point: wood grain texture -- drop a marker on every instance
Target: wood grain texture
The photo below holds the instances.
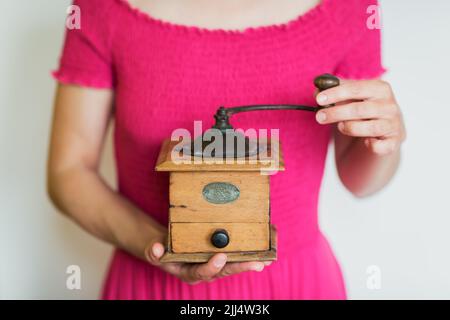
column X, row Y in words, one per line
column 267, row 255
column 270, row 161
column 187, row 203
column 196, row 237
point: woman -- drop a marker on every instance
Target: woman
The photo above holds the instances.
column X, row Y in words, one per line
column 157, row 65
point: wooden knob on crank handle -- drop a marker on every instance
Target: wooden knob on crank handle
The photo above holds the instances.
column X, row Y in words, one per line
column 324, row 82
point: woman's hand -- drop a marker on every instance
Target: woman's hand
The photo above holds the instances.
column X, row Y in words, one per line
column 193, row 273
column 365, row 109
column 370, row 132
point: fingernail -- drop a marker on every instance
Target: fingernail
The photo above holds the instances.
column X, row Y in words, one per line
column 259, row 267
column 321, row 117
column 220, row 262
column 157, row 251
column 321, row 98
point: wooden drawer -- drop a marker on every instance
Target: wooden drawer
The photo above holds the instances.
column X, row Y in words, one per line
column 189, row 204
column 196, row 237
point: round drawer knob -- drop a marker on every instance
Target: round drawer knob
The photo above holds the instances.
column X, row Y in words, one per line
column 220, row 238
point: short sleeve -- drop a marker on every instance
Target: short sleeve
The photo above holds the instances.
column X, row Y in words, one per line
column 86, row 57
column 363, row 56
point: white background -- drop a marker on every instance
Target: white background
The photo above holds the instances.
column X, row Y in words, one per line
column 403, row 230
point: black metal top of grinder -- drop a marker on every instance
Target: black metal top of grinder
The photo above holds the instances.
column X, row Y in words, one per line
column 248, row 148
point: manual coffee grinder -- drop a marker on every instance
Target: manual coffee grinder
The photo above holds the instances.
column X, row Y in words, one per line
column 224, row 206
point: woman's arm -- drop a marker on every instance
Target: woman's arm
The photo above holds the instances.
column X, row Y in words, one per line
column 370, row 131
column 81, row 117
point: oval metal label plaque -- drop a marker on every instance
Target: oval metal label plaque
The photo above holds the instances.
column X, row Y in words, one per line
column 220, row 192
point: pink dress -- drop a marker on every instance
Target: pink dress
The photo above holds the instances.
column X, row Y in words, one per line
column 165, row 76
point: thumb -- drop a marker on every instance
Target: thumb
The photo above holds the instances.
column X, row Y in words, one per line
column 154, row 252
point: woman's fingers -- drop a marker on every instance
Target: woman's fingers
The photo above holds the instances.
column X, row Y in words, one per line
column 382, row 146
column 364, row 109
column 367, row 128
column 238, row 267
column 355, row 90
column 356, row 111
column 216, row 267
column 193, row 273
column 154, row 252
